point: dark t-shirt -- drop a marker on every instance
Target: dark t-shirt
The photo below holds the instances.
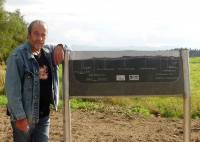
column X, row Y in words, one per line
column 45, row 84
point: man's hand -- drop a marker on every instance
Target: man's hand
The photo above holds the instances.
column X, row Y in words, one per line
column 22, row 125
column 58, row 54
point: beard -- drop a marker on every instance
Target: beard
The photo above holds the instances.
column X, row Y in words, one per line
column 38, row 46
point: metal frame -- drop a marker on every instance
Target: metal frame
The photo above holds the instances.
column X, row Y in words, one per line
column 186, row 98
column 66, row 102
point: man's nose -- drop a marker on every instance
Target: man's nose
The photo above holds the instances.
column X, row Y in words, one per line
column 40, row 37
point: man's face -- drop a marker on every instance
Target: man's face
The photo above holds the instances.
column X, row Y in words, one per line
column 37, row 36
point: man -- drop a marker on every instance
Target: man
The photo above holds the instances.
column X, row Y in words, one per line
column 32, row 85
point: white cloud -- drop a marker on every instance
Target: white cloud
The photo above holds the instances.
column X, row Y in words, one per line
column 117, row 23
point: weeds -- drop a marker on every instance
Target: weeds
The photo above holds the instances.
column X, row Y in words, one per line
column 2, row 79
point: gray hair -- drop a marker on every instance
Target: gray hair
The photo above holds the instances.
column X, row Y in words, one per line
column 40, row 22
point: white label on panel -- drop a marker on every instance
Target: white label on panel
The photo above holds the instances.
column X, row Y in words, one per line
column 134, row 77
column 120, row 77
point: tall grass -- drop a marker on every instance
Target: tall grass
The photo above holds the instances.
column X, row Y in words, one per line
column 2, row 78
column 195, row 86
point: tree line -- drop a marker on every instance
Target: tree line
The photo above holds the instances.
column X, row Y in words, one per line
column 13, row 31
column 194, row 52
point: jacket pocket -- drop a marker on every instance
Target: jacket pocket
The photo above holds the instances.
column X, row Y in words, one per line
column 28, row 81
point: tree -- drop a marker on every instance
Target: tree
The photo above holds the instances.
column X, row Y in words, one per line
column 13, row 31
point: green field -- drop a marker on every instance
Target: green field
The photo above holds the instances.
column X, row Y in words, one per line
column 146, row 106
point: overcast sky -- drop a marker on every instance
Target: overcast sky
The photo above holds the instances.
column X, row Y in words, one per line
column 116, row 24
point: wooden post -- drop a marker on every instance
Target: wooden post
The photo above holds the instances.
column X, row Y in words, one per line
column 66, row 103
column 187, row 96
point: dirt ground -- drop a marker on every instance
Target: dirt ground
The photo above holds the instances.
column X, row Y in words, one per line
column 90, row 126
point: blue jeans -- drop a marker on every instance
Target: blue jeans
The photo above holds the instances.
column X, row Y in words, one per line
column 37, row 133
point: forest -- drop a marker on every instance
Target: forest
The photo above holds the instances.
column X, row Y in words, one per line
column 13, row 31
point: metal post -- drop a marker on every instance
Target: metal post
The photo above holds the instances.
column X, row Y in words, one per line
column 187, row 96
column 66, row 103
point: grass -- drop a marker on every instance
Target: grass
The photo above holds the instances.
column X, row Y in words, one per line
column 2, row 78
column 86, row 104
column 158, row 106
column 3, row 100
column 195, row 86
column 146, row 106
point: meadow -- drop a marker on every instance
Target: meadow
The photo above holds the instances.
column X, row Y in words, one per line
column 146, row 106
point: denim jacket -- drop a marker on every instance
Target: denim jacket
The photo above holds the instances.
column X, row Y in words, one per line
column 23, row 86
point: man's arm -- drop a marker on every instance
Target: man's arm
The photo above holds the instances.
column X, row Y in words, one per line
column 13, row 87
column 13, row 92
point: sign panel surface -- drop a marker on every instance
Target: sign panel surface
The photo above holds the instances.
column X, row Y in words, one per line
column 121, row 73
